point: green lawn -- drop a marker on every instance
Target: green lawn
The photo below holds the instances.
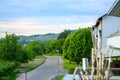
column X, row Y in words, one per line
column 68, row 65
column 31, row 64
column 60, row 77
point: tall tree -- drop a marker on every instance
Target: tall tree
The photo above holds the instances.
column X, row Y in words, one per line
column 11, row 50
column 64, row 34
column 33, row 49
column 53, row 45
column 78, row 45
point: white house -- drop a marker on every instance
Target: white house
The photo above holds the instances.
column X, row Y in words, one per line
column 104, row 27
column 107, row 25
column 114, row 39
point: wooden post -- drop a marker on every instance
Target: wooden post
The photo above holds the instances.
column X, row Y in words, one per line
column 109, row 65
column 93, row 53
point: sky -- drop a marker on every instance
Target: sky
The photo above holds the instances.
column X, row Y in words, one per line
column 28, row 17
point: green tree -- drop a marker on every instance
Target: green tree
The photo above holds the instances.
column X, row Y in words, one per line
column 78, row 45
column 33, row 49
column 66, row 47
column 53, row 45
column 64, row 34
column 11, row 50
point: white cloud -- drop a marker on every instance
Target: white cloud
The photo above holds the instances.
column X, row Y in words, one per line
column 60, row 15
column 30, row 26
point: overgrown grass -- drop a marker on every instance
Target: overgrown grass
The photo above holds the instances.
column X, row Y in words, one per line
column 70, row 66
column 31, row 64
column 60, row 77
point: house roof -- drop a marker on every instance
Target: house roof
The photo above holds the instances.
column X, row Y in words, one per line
column 115, row 9
column 98, row 20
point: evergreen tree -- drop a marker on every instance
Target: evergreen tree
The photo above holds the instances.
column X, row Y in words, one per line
column 64, row 34
column 78, row 45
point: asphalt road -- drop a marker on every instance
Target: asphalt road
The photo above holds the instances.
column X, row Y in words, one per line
column 53, row 66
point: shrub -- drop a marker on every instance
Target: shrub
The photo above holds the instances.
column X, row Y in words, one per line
column 6, row 67
column 71, row 70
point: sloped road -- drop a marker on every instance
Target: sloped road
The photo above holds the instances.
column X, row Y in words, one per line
column 53, row 66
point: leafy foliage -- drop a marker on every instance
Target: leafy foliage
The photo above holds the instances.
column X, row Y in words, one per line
column 53, row 45
column 33, row 49
column 64, row 34
column 5, row 67
column 11, row 50
column 13, row 53
column 78, row 45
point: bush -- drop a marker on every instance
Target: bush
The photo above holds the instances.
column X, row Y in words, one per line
column 71, row 70
column 6, row 67
column 78, row 45
column 60, row 77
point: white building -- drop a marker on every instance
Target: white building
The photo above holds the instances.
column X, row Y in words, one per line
column 107, row 25
column 114, row 39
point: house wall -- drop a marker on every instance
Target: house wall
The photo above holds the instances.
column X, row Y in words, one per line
column 115, row 41
column 99, row 31
column 110, row 25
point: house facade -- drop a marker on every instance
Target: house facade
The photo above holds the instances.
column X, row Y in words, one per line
column 114, row 39
column 110, row 25
column 107, row 25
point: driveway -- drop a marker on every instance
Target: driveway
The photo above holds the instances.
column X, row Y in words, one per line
column 53, row 66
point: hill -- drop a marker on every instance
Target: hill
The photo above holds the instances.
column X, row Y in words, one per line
column 38, row 37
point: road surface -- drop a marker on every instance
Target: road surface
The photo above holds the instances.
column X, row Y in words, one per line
column 53, row 66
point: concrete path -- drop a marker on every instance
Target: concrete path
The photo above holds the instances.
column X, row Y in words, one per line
column 53, row 66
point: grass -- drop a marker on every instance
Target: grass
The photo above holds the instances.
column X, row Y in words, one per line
column 60, row 77
column 71, row 66
column 31, row 64
column 68, row 65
